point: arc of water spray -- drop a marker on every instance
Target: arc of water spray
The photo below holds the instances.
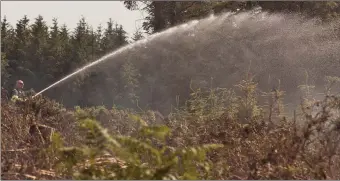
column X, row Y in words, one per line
column 140, row 42
column 137, row 43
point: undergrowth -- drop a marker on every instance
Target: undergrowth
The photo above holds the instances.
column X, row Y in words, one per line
column 217, row 134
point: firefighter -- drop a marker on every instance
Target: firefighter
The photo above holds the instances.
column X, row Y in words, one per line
column 18, row 94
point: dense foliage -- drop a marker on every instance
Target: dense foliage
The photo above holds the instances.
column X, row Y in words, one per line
column 162, row 15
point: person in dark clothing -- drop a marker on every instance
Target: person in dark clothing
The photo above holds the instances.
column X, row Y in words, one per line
column 18, row 94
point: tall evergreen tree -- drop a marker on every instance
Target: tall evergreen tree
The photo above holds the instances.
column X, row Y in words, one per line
column 4, row 33
column 121, row 36
column 79, row 42
column 37, row 53
column 21, row 41
column 6, row 41
column 98, row 40
column 55, row 50
column 17, row 55
column 40, row 37
column 54, row 33
column 108, row 42
column 62, row 55
column 65, row 44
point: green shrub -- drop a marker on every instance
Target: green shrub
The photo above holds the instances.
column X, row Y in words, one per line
column 133, row 158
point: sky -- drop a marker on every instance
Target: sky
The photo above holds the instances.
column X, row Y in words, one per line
column 69, row 12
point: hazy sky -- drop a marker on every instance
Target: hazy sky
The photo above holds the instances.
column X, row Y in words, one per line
column 95, row 12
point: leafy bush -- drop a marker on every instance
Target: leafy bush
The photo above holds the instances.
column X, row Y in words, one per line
column 131, row 158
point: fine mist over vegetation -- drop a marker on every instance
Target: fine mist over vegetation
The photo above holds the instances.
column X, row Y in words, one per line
column 220, row 51
column 242, row 94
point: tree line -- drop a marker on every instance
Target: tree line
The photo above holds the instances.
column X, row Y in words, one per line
column 39, row 54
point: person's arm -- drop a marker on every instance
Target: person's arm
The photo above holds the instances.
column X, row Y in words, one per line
column 30, row 92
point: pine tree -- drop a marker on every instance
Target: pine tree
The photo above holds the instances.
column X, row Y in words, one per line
column 63, row 33
column 65, row 44
column 121, row 36
column 79, row 42
column 55, row 50
column 93, row 43
column 108, row 42
column 82, row 53
column 54, row 30
column 18, row 51
column 37, row 53
column 62, row 55
column 4, row 33
column 21, row 42
column 138, row 35
column 7, row 37
column 39, row 40
column 99, row 37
